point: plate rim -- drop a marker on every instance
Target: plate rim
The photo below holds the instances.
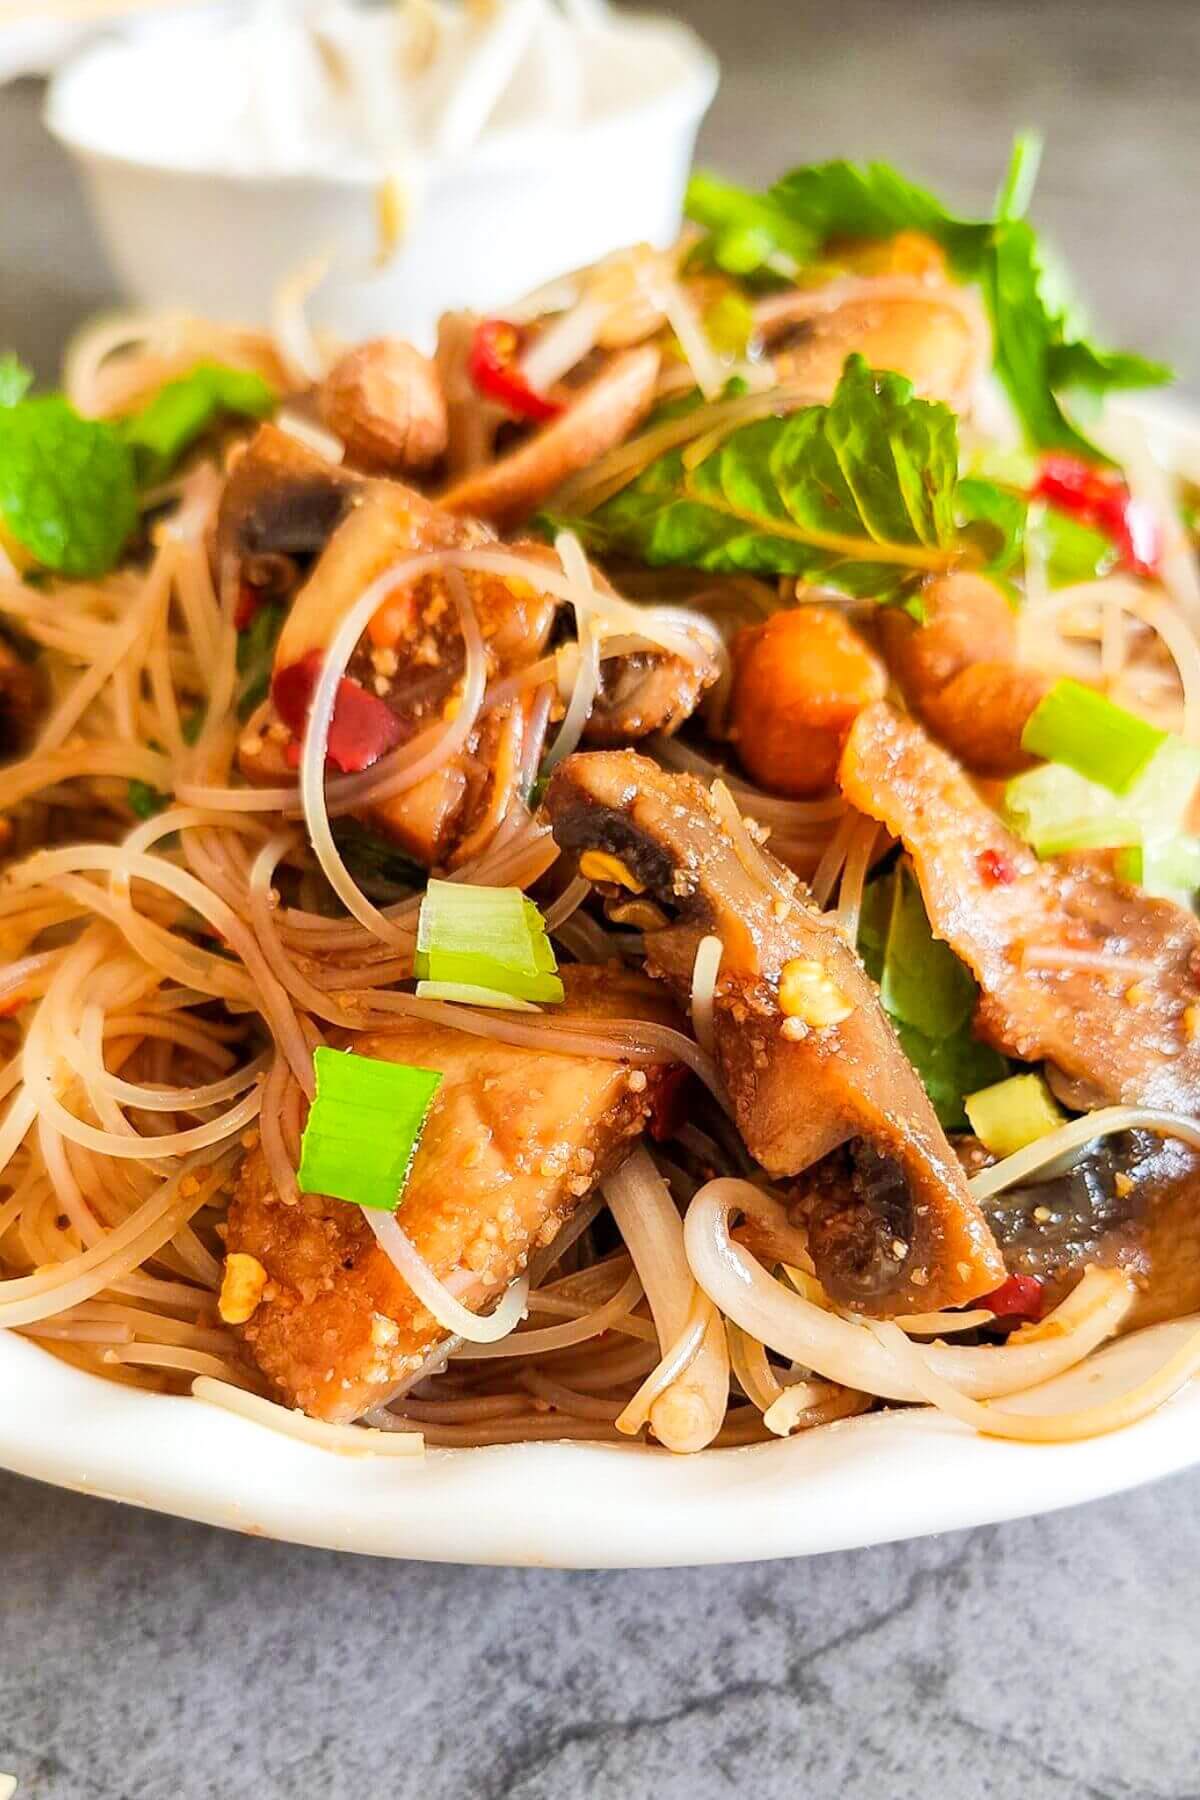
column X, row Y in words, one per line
column 858, row 1482
column 577, row 1505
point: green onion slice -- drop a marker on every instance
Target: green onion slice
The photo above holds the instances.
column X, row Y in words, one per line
column 1010, row 1114
column 484, row 937
column 364, row 1127
column 1104, row 743
column 1055, row 809
column 466, row 993
column 1168, row 869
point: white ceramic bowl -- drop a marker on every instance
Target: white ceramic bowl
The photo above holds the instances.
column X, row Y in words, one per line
column 487, row 226
column 865, row 1481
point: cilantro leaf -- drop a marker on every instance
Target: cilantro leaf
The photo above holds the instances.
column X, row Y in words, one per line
column 15, row 379
column 858, row 495
column 928, row 995
column 182, row 411
column 67, row 487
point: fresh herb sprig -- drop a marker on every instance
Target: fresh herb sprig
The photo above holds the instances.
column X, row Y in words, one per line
column 1044, row 354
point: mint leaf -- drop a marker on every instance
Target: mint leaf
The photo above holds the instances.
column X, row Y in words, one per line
column 843, row 199
column 993, row 517
column 184, row 410
column 749, row 234
column 1042, row 347
column 1080, row 365
column 858, row 495
column 928, row 995
column 15, row 379
column 67, row 488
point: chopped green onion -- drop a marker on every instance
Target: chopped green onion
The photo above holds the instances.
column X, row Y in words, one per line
column 1010, row 1114
column 485, row 937
column 466, row 993
column 1169, row 869
column 363, row 1128
column 1055, row 809
column 1104, row 743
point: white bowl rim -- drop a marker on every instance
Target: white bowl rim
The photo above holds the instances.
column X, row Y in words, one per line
column 517, row 148
column 875, row 1479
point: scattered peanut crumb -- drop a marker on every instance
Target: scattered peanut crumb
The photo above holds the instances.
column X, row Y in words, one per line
column 241, row 1288
column 807, row 992
column 637, row 1081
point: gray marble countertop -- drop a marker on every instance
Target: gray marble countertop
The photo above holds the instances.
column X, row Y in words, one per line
column 146, row 1659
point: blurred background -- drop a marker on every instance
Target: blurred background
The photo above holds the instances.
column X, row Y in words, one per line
column 936, row 86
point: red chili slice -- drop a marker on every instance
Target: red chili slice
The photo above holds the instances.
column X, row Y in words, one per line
column 362, row 729
column 1099, row 497
column 997, row 868
column 492, row 366
column 1020, row 1297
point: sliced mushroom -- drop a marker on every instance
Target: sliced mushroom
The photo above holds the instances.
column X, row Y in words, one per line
column 409, row 665
column 930, row 337
column 807, row 1056
column 282, row 497
column 1100, row 980
column 600, row 416
column 384, row 400
column 649, row 691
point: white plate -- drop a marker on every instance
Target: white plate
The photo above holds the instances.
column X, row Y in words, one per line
column 865, row 1481
column 892, row 1475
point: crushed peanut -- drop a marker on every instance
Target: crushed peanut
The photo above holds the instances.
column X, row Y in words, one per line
column 1191, row 1022
column 241, row 1287
column 808, row 993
